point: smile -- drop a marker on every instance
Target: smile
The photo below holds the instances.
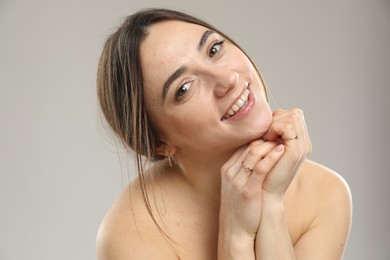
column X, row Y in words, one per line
column 241, row 102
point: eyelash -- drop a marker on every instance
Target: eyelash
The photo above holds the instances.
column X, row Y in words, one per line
column 178, row 96
column 219, row 43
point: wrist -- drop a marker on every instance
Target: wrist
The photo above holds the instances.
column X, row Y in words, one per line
column 273, row 206
column 232, row 247
column 273, row 197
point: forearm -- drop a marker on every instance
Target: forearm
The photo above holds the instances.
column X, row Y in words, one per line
column 273, row 239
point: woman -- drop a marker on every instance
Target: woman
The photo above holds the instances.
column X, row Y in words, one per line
column 229, row 178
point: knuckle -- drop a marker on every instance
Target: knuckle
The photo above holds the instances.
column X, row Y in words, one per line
column 224, row 168
column 278, row 111
column 252, row 151
column 261, row 168
column 296, row 117
column 246, row 194
column 289, row 126
column 296, row 111
column 228, row 174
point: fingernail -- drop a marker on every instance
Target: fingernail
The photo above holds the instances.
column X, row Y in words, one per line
column 279, row 148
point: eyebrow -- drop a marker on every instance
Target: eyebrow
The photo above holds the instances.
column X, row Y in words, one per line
column 171, row 79
column 204, row 38
column 180, row 71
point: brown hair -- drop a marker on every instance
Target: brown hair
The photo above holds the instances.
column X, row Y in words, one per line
column 120, row 85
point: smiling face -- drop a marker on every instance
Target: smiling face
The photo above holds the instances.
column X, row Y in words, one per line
column 201, row 91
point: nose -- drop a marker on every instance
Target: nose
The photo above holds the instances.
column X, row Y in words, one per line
column 223, row 80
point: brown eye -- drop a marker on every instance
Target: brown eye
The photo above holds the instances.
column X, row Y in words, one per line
column 183, row 89
column 215, row 48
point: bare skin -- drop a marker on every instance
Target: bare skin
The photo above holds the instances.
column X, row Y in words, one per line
column 244, row 189
column 317, row 209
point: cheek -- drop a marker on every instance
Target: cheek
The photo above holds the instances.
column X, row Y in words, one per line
column 187, row 127
column 191, row 120
column 182, row 131
column 267, row 118
column 241, row 62
column 179, row 125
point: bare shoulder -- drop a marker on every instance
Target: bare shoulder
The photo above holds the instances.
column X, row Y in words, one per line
column 128, row 232
column 311, row 172
column 325, row 199
column 322, row 182
column 324, row 191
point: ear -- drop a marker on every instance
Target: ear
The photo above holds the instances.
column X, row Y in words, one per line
column 165, row 149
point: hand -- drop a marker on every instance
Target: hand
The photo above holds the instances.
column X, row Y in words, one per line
column 242, row 177
column 287, row 127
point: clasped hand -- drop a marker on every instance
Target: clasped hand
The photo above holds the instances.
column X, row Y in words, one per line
column 262, row 170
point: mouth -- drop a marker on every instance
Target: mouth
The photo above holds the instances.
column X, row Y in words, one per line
column 238, row 105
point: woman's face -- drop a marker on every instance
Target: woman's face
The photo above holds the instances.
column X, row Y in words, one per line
column 201, row 91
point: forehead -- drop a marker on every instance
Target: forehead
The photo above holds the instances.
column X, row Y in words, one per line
column 167, row 46
column 170, row 39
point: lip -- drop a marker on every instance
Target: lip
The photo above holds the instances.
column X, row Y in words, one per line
column 246, row 109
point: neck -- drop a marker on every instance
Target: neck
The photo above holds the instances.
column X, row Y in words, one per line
column 201, row 172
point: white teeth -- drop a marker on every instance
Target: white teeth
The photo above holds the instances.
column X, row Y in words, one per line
column 238, row 105
column 240, row 102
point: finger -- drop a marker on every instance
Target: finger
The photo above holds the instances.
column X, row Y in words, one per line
column 282, row 131
column 230, row 169
column 264, row 166
column 236, row 168
column 286, row 125
column 304, row 143
column 255, row 153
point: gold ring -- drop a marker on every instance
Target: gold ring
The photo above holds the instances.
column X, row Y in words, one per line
column 246, row 168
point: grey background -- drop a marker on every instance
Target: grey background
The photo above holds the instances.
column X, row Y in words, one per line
column 59, row 170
